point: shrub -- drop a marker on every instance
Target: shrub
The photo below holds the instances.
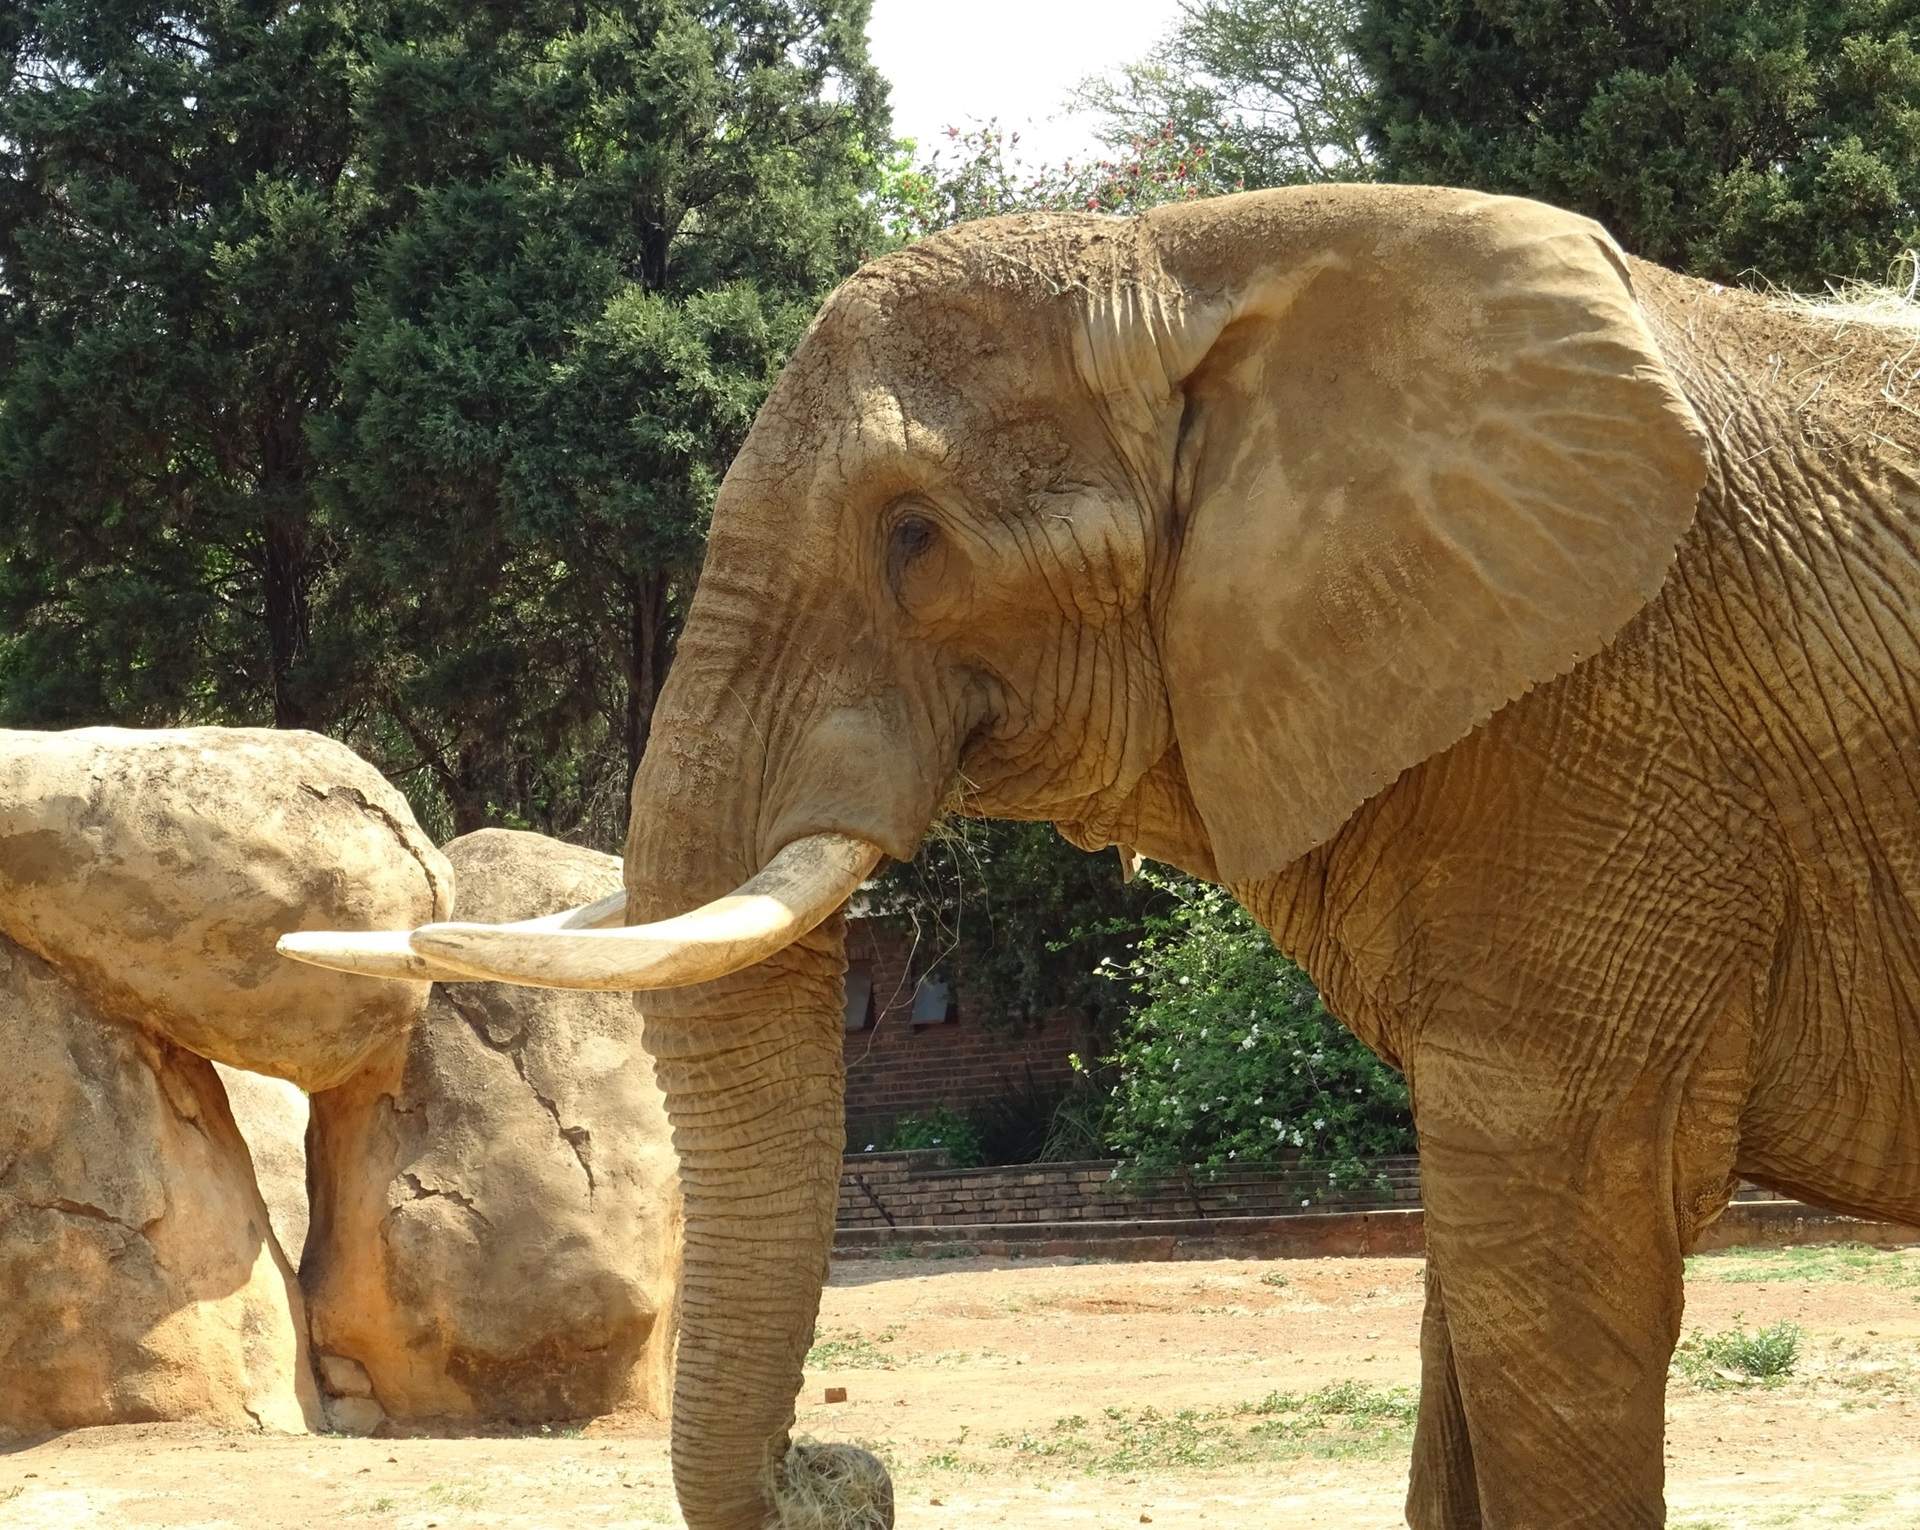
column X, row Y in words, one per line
column 1714, row 1359
column 939, row 1128
column 1230, row 1055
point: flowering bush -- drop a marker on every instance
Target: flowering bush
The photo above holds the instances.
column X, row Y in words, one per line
column 1229, row 1055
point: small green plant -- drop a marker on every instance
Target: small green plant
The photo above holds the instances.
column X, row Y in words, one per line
column 1822, row 1264
column 939, row 1128
column 1275, row 1279
column 1735, row 1357
column 851, row 1352
column 1345, row 1420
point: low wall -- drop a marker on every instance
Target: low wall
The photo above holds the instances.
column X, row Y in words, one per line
column 918, row 1189
column 1315, row 1235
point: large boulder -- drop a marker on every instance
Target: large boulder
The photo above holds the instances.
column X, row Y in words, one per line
column 139, row 1279
column 155, row 869
column 496, row 1217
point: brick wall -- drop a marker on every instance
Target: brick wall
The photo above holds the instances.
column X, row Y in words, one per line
column 917, row 1189
column 897, row 1068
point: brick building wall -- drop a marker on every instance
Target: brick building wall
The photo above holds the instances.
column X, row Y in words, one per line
column 897, row 1066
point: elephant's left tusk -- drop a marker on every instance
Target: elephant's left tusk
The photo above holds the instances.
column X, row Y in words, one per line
column 390, row 954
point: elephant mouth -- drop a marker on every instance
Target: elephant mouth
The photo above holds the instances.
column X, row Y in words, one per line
column 587, row 947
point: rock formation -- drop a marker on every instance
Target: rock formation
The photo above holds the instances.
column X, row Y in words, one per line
column 272, row 1117
column 144, row 877
column 156, row 868
column 496, row 1215
column 138, row 1277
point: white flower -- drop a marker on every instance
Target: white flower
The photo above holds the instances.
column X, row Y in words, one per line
column 1319, row 1123
column 869, row 1147
column 1247, row 1044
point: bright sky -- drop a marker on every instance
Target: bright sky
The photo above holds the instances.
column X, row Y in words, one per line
column 951, row 61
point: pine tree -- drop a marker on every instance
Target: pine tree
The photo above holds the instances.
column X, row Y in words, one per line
column 178, row 237
column 607, row 228
column 1731, row 138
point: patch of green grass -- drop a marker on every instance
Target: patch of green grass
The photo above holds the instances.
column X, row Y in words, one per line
column 1275, row 1279
column 851, row 1352
column 1348, row 1420
column 1735, row 1357
column 456, row 1495
column 1820, row 1264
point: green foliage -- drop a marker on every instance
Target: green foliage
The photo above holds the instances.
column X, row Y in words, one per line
column 1725, row 137
column 1736, row 1357
column 1232, row 1056
column 1027, row 919
column 939, row 1128
column 370, row 365
column 178, row 242
column 846, row 1350
column 607, row 230
column 1343, row 1420
column 1271, row 85
column 979, row 173
column 1820, row 1264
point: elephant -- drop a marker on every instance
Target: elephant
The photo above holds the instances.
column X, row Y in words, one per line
column 1523, row 633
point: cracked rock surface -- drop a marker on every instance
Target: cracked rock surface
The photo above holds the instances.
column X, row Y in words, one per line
column 272, row 1117
column 496, row 1219
column 155, row 868
column 139, row 1278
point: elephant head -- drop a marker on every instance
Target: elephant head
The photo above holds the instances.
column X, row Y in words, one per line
column 1188, row 532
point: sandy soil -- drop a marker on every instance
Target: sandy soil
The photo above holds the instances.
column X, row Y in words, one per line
column 1077, row 1394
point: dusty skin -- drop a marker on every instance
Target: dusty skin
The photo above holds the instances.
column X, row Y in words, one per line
column 968, row 1374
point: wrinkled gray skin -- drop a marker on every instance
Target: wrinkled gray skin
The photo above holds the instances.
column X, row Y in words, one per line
column 1520, row 634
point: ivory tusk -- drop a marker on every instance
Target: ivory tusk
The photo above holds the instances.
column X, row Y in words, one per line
column 387, row 954
column 796, row 890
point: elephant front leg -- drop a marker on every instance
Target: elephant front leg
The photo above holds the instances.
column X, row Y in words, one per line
column 1560, row 1260
column 1442, row 1494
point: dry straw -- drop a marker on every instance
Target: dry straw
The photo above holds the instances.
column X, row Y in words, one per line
column 829, row 1487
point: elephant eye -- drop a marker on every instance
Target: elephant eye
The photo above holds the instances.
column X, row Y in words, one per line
column 912, row 536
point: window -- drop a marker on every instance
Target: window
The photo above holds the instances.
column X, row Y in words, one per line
column 932, row 1001
column 859, row 1013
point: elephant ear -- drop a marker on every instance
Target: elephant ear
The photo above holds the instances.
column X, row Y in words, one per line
column 1430, row 457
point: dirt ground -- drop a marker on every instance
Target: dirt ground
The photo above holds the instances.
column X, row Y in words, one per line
column 1033, row 1393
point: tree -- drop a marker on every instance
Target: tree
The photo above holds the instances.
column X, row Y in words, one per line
column 370, row 365
column 978, row 172
column 1726, row 137
column 608, row 228
column 1271, row 85
column 178, row 237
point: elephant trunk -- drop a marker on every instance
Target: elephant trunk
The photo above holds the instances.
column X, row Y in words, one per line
column 753, row 1081
column 751, row 1065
